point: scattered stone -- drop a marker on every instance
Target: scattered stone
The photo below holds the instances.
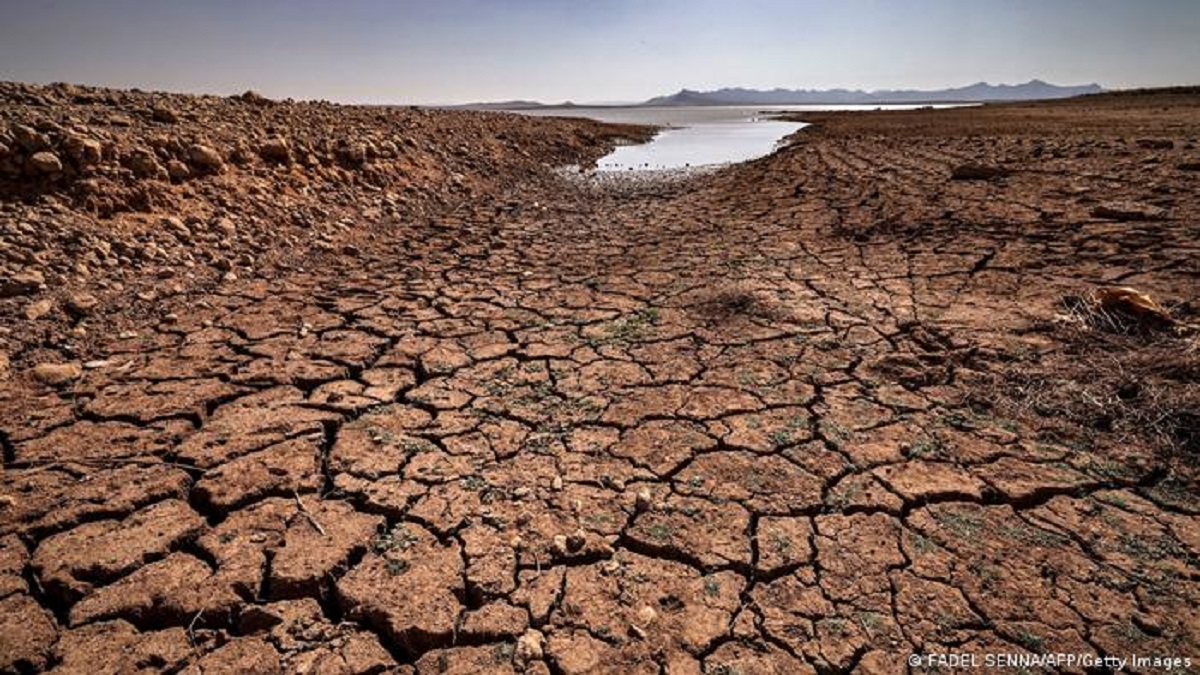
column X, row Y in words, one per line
column 165, row 115
column 45, row 163
column 57, row 374
column 38, row 309
column 530, row 647
column 24, row 283
column 84, row 151
column 576, row 541
column 144, row 164
column 1126, row 211
column 972, row 171
column 177, row 170
column 644, row 501
column 205, row 159
column 82, row 304
column 276, row 151
column 30, row 139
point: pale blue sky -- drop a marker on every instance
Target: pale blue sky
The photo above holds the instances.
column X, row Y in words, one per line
column 442, row 51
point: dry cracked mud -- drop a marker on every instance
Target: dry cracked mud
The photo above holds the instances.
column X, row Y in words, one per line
column 813, row 413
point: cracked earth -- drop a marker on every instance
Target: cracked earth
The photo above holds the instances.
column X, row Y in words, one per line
column 766, row 420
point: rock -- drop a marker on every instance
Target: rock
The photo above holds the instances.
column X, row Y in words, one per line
column 530, row 647
column 276, row 150
column 4, row 366
column 84, row 151
column 560, row 545
column 144, row 164
column 644, row 501
column 82, row 303
column 972, row 171
column 24, row 283
column 254, row 98
column 177, row 170
column 29, row 138
column 44, row 163
column 576, row 541
column 165, row 115
column 646, row 616
column 177, row 228
column 1156, row 144
column 39, row 308
column 205, row 158
column 1125, row 211
column 57, row 374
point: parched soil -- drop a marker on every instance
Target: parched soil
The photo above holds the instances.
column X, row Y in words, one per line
column 813, row 413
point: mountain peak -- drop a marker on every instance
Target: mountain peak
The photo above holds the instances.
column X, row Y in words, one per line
column 979, row 92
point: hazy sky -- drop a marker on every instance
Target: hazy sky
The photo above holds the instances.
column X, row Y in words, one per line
column 432, row 51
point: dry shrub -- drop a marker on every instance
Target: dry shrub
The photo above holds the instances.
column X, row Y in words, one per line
column 737, row 301
column 1137, row 385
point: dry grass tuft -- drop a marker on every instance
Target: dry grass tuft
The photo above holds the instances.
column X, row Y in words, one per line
column 730, row 303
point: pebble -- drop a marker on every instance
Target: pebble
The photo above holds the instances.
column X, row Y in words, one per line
column 57, row 374
column 577, row 540
column 82, row 303
column 24, row 283
column 644, row 500
column 530, row 647
column 557, row 483
column 560, row 545
column 646, row 615
column 45, row 163
column 205, row 158
column 38, row 309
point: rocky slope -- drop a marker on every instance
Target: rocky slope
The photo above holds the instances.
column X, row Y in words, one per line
column 123, row 197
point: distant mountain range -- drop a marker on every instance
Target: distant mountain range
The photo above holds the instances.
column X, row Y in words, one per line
column 974, row 93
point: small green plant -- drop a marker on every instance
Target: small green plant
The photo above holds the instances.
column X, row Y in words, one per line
column 503, row 652
column 660, row 531
column 474, row 483
column 396, row 539
column 780, row 438
column 871, row 620
column 712, row 587
column 1031, row 641
column 781, row 542
column 923, row 544
column 929, row 446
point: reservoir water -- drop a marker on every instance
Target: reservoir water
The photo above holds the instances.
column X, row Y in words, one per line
column 698, row 136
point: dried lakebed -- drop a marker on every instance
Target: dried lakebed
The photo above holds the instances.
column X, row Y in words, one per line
column 812, row 413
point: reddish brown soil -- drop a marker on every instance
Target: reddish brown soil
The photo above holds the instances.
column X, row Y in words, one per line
column 808, row 414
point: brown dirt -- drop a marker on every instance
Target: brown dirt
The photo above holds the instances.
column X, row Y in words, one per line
column 808, row 414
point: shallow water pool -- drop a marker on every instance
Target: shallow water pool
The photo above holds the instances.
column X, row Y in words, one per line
column 703, row 144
